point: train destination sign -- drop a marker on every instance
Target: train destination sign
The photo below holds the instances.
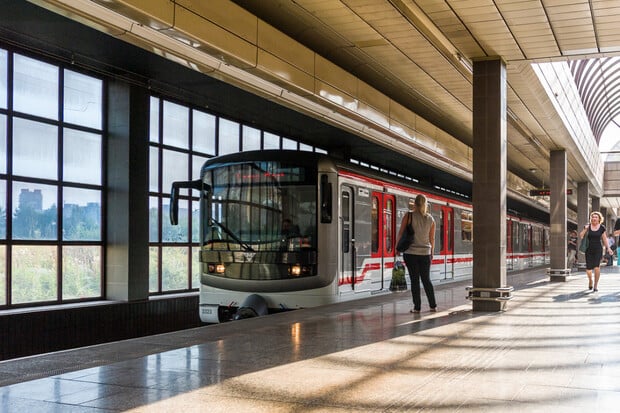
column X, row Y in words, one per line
column 546, row 192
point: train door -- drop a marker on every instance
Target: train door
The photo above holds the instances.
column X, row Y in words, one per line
column 445, row 244
column 383, row 224
column 347, row 237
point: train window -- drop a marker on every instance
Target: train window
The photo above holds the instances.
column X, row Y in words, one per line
column 526, row 238
column 516, row 246
column 374, row 225
column 263, row 204
column 387, row 224
column 346, row 203
column 326, row 200
column 467, row 225
column 346, row 218
column 439, row 246
column 450, row 233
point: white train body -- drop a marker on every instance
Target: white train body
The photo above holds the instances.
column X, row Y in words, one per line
column 342, row 247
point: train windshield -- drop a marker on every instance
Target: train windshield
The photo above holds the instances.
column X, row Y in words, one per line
column 261, row 206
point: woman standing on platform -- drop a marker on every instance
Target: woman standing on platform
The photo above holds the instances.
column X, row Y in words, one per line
column 594, row 253
column 419, row 254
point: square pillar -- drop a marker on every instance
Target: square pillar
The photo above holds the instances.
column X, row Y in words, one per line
column 558, row 270
column 489, row 184
column 127, row 253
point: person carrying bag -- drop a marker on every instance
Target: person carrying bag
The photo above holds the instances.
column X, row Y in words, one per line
column 593, row 240
column 418, row 257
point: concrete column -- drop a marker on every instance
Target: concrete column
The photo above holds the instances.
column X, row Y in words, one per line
column 489, row 183
column 596, row 204
column 583, row 215
column 127, row 255
column 558, row 270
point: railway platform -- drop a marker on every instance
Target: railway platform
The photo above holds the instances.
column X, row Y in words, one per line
column 555, row 348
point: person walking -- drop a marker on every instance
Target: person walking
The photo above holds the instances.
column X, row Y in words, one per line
column 609, row 257
column 418, row 256
column 596, row 234
column 572, row 248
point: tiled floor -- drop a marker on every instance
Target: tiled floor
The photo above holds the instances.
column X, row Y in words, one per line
column 556, row 348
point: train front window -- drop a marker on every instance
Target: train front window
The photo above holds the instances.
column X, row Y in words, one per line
column 261, row 206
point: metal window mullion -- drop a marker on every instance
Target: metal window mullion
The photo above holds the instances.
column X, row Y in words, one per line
column 59, row 192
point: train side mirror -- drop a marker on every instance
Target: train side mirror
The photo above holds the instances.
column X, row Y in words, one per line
column 174, row 196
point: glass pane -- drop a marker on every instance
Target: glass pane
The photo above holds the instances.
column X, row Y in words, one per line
column 195, row 221
column 33, row 273
column 197, row 162
column 251, row 139
column 34, row 213
column 153, row 219
column 175, row 233
column 83, row 100
column 374, row 225
column 81, row 272
column 35, row 87
column 154, row 120
column 153, row 273
column 271, row 141
column 254, row 206
column 3, row 78
column 203, row 132
column 154, row 170
column 81, row 215
column 195, row 267
column 2, row 144
column 35, row 149
column 82, row 157
column 176, row 125
column 174, row 271
column 2, row 209
column 2, row 275
column 304, row 147
column 289, row 144
column 229, row 137
column 174, row 168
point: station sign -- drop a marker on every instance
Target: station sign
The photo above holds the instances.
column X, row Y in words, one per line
column 546, row 192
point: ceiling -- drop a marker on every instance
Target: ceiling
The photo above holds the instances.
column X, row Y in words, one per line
column 418, row 53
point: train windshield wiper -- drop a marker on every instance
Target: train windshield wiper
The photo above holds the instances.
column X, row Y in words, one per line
column 231, row 234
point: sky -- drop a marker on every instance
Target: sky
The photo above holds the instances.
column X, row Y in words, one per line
column 610, row 140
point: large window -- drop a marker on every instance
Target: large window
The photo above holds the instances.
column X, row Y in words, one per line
column 182, row 138
column 51, row 191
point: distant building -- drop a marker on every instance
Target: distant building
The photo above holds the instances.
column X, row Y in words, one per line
column 31, row 199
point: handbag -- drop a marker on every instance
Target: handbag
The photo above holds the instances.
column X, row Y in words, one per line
column 583, row 246
column 407, row 238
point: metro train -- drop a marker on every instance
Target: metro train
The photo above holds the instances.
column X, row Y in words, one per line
column 287, row 229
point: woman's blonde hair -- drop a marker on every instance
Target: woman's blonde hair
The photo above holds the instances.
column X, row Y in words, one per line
column 600, row 216
column 420, row 204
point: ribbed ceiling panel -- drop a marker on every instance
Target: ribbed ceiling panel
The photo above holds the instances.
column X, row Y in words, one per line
column 598, row 82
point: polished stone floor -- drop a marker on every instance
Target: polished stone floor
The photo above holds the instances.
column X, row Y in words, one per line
column 555, row 349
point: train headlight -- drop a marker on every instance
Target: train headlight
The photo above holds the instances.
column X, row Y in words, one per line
column 295, row 270
column 216, row 268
